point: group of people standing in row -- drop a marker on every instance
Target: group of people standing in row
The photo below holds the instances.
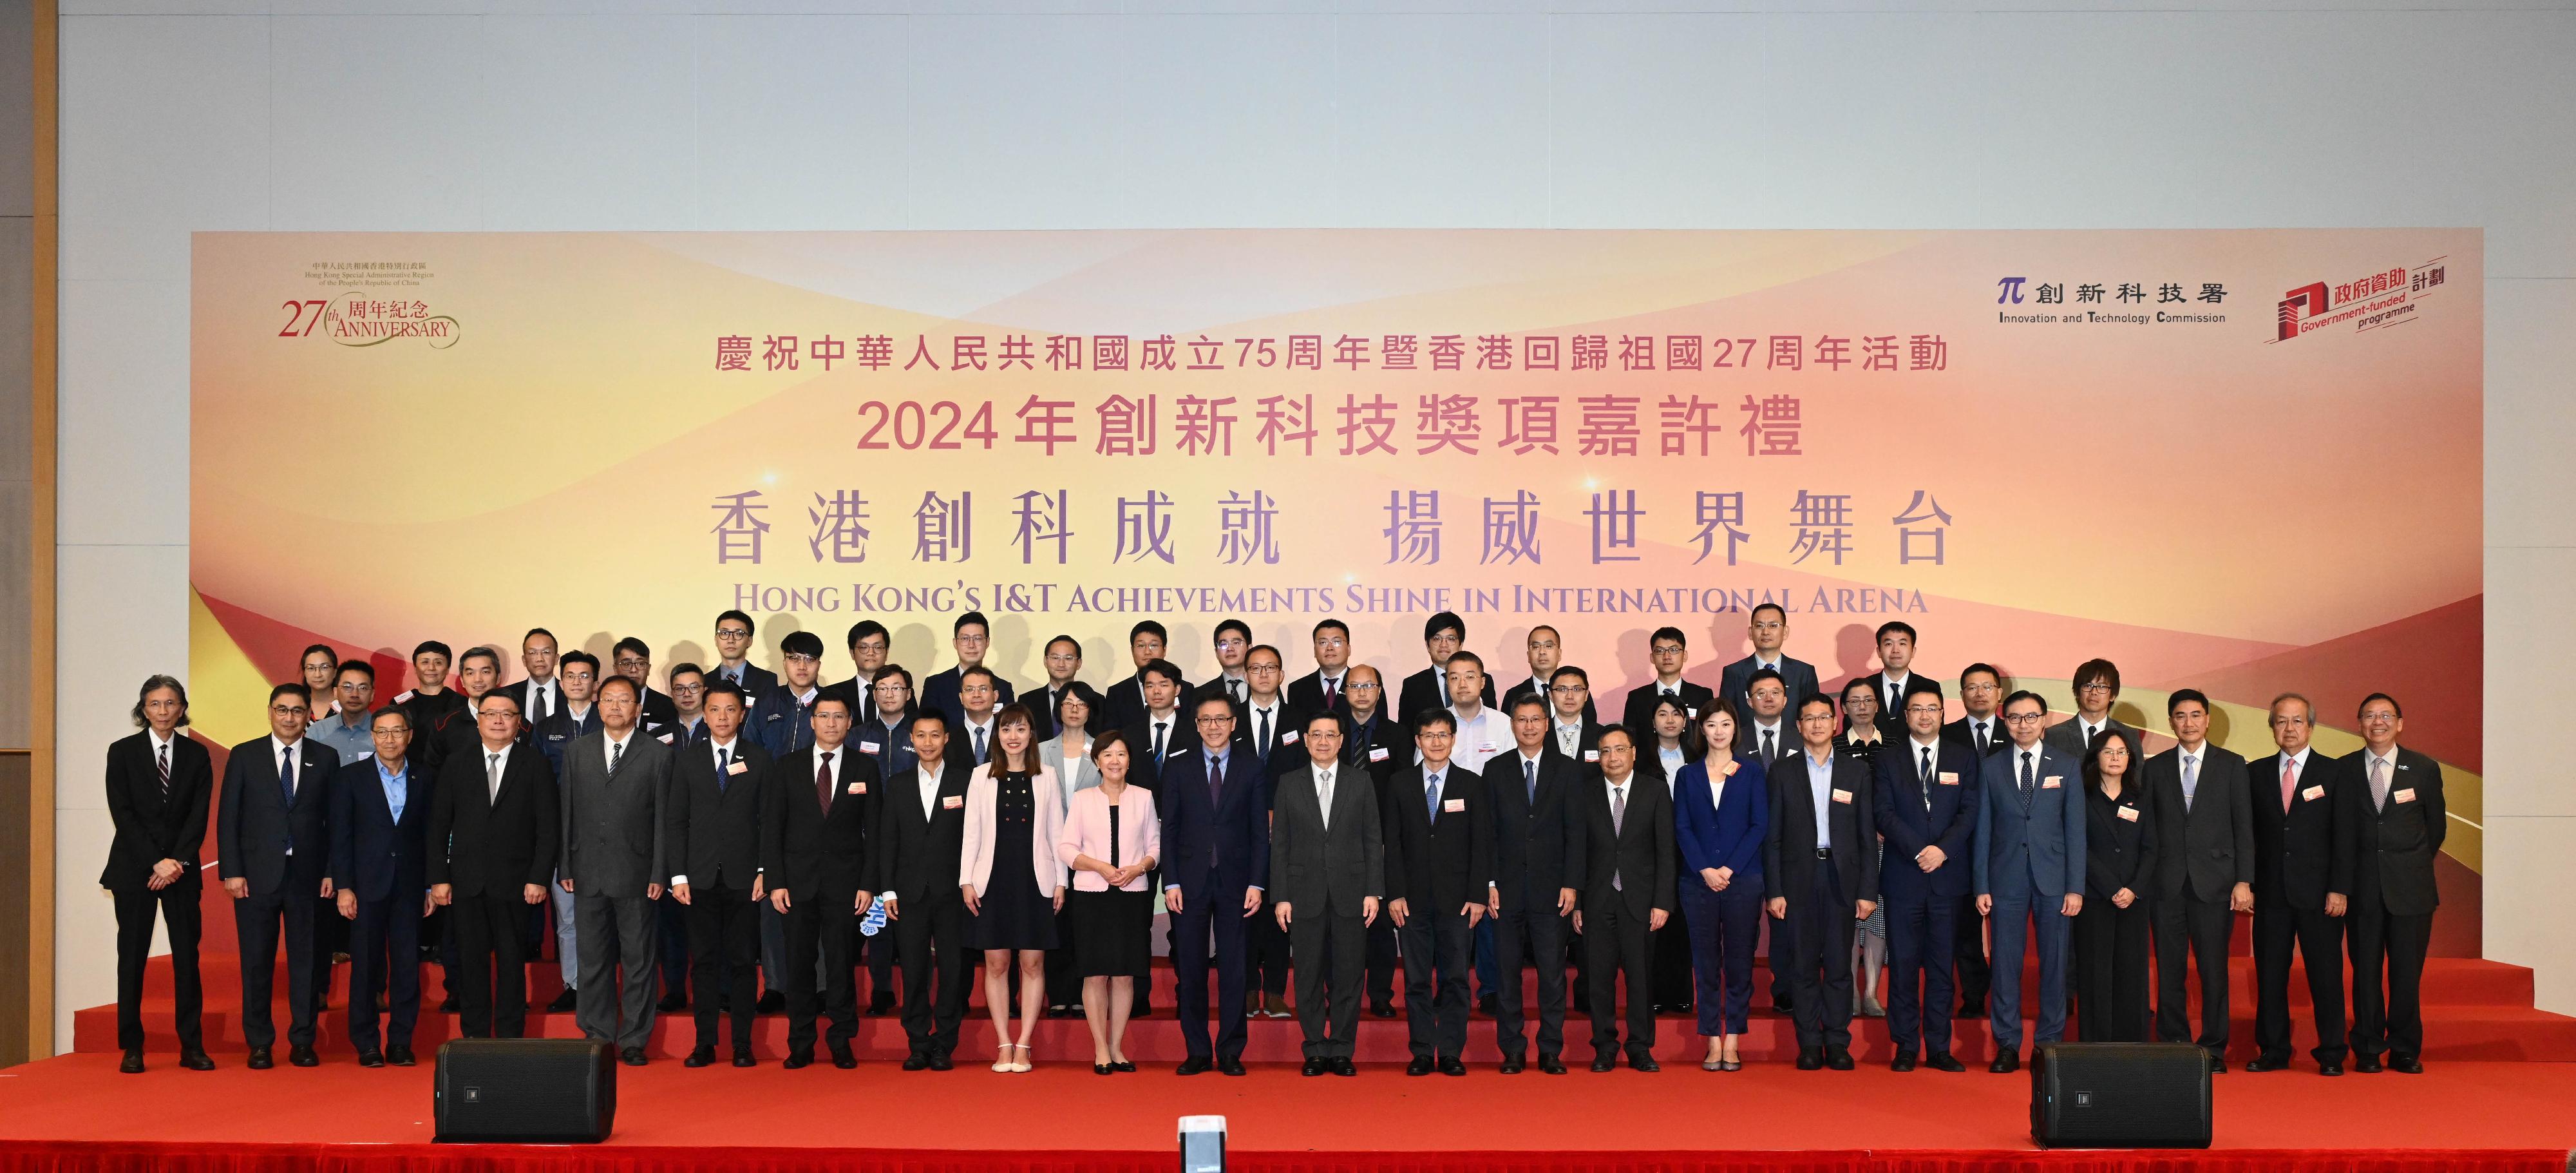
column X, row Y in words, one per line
column 762, row 837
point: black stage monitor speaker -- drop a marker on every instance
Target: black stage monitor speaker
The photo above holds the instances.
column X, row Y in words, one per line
column 2119, row 1095
column 525, row 1091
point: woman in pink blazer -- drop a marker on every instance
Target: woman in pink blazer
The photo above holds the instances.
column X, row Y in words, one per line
column 1012, row 880
column 1111, row 839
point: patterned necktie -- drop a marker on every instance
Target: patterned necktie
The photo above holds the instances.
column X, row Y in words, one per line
column 2025, row 777
column 2379, row 783
column 823, row 782
column 616, row 756
column 1216, row 780
column 1927, row 779
column 979, row 747
column 1158, row 743
column 2190, row 780
column 2289, row 782
column 1618, row 820
column 164, row 767
column 1431, row 796
column 723, row 758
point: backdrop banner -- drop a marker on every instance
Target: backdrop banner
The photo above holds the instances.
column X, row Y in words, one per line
column 2240, row 461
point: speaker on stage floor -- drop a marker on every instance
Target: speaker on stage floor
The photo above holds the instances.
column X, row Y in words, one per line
column 2120, row 1095
column 561, row 1091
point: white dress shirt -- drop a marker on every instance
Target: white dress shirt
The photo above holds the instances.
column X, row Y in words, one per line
column 1480, row 739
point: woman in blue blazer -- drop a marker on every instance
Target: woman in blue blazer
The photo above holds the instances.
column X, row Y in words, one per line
column 1721, row 809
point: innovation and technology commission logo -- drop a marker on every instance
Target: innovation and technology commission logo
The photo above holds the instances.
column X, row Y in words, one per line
column 2376, row 301
column 369, row 303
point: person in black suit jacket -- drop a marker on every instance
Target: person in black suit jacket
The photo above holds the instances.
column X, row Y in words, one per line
column 1981, row 729
column 734, row 631
column 1769, row 729
column 2119, row 873
column 1233, row 645
column 2303, row 863
column 1439, row 846
column 1670, row 650
column 1769, row 628
column 1442, row 635
column 972, row 636
column 1546, row 655
column 1063, row 660
column 656, row 711
column 1215, row 806
column 159, row 784
column 713, row 822
column 818, row 817
column 1926, row 792
column 2394, row 804
column 1538, row 860
column 539, row 694
column 1823, row 880
column 493, row 840
column 1328, row 843
column 1323, row 690
column 2205, row 860
column 1374, row 741
column 1896, row 646
column 380, row 812
column 1626, row 895
column 921, row 833
column 1126, row 704
column 277, row 798
column 1572, row 731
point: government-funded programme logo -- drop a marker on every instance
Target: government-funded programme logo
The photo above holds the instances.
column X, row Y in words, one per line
column 385, row 305
column 2384, row 298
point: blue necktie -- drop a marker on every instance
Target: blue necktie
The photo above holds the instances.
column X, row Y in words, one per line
column 1529, row 778
column 723, row 759
column 1431, row 796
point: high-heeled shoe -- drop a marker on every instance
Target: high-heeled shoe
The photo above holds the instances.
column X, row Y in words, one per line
column 1102, row 1069
column 1122, row 1066
column 1022, row 1063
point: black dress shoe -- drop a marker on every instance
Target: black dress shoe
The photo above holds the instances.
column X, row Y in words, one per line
column 259, row 1060
column 195, row 1059
column 880, row 1006
column 1904, row 1061
column 1975, row 1008
column 1312, row 1067
column 449, row 1004
column 371, row 1058
column 2367, row 1065
column 1513, row 1064
column 1195, row 1065
column 565, row 1003
column 916, row 1062
column 133, row 1064
column 2217, row 1066
column 1604, row 1063
column 1838, row 1058
column 1551, row 1064
column 770, row 1003
column 1643, row 1063
column 2005, row 1063
column 631, row 1056
column 1230, row 1065
column 2262, row 1063
column 1453, row 1065
column 1944, row 1061
column 2329, row 1067
column 798, row 1060
column 2409, row 1065
column 1489, row 1005
column 1811, row 1059
column 399, row 1054
column 1382, row 1010
column 1421, row 1065
column 842, row 1058
column 672, row 1003
column 1342, row 1065
column 699, row 1057
column 939, row 1061
column 303, row 1056
column 742, row 1057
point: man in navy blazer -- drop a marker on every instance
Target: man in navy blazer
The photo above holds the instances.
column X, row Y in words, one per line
column 1770, row 628
column 1928, row 788
column 2030, row 871
column 972, row 636
column 1214, row 802
column 274, row 853
column 379, row 862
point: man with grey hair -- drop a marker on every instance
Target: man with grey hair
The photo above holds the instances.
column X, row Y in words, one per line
column 614, row 785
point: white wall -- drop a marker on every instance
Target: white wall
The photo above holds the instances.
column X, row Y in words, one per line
column 181, row 115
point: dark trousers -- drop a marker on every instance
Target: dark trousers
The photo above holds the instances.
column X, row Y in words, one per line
column 723, row 935
column 1970, row 961
column 490, row 977
column 1382, row 962
column 1439, row 949
column 330, row 936
column 2111, row 972
column 2390, row 948
column 2319, row 941
column 930, row 940
column 1820, row 928
column 1191, row 931
column 177, row 907
column 1723, row 927
column 1921, row 932
column 1331, row 951
column 1536, row 931
column 2187, row 922
column 1673, row 983
column 1616, row 943
column 256, row 921
column 1266, row 952
column 384, row 950
column 881, row 950
column 1778, row 952
column 671, row 940
column 819, row 926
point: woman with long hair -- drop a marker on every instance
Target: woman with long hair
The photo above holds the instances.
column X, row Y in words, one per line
column 1010, row 876
column 2111, row 932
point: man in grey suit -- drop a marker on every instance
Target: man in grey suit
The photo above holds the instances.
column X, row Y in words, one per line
column 2203, row 806
column 2030, row 872
column 1328, row 870
column 2097, row 684
column 614, row 785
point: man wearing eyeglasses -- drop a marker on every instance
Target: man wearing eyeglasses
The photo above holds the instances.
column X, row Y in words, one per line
column 379, row 858
column 2393, row 799
column 538, row 694
column 1981, row 729
column 634, row 661
column 1546, row 654
column 1145, row 644
column 783, row 719
column 868, row 641
column 272, row 834
column 689, row 696
column 1233, row 643
column 972, row 638
column 2030, row 872
column 1373, row 741
column 2097, row 685
column 1769, row 627
column 1215, row 807
column 1063, row 664
column 1669, row 650
column 1325, row 689
column 1443, row 635
column 733, row 657
column 1927, row 789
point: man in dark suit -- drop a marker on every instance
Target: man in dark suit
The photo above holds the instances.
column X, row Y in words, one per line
column 1375, row 742
column 616, row 791
column 1274, row 728
column 1670, row 651
column 1538, row 860
column 1232, row 644
column 1063, row 664
column 1572, row 732
column 1822, row 869
column 2394, row 803
column 1161, row 726
column 494, row 840
column 734, row 631
column 1981, row 729
column 1546, row 655
column 2303, row 863
column 159, row 785
column 2030, row 872
column 277, row 798
column 380, row 810
column 714, row 840
column 815, row 850
column 972, row 636
column 539, row 694
column 1769, row 730
column 1439, row 857
column 1770, row 630
column 1626, row 895
column 1896, row 644
column 1327, row 840
column 1926, row 791
column 2097, row 686
column 2198, row 795
column 1442, row 635
column 633, row 659
column 1323, row 690
column 783, row 721
column 1126, row 704
column 1215, row 807
column 921, row 835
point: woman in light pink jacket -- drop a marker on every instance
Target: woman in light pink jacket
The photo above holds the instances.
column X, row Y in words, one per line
column 1111, row 839
column 1011, row 878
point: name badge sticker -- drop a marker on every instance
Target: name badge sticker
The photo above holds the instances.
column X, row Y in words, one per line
column 1592, row 755
column 2406, row 795
column 871, row 747
column 1949, row 777
column 951, row 802
column 858, row 787
column 1451, row 806
column 1843, row 796
column 1289, row 738
column 2128, row 814
column 2313, row 793
column 2051, row 782
column 735, row 768
column 1377, row 753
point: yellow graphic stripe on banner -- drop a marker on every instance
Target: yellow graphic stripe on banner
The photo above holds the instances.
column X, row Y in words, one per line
column 227, row 695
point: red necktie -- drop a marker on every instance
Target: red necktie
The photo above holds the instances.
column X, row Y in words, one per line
column 823, row 783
